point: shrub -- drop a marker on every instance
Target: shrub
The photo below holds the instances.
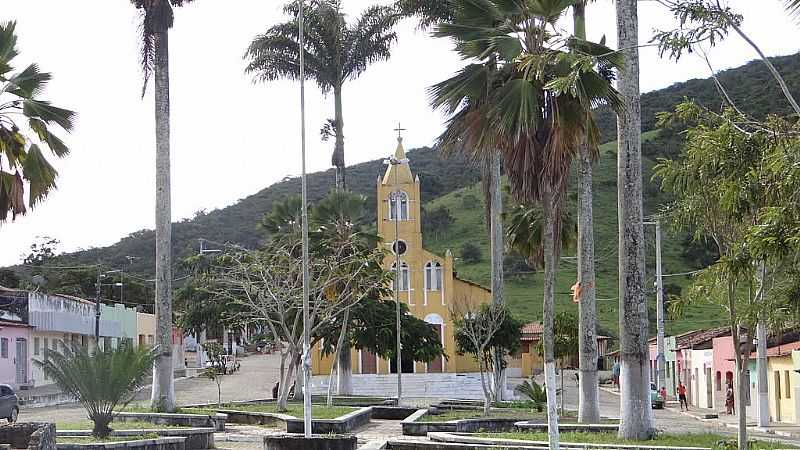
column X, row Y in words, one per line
column 102, row 381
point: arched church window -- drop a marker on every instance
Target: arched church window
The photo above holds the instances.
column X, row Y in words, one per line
column 433, row 276
column 403, row 276
column 393, row 205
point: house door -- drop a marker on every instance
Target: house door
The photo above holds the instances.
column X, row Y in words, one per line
column 369, row 363
column 777, row 376
column 21, row 361
column 435, row 366
column 709, row 389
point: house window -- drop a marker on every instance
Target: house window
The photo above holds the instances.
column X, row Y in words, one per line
column 433, row 276
column 403, row 206
column 403, row 277
column 719, row 381
column 36, row 344
column 787, row 383
column 3, row 347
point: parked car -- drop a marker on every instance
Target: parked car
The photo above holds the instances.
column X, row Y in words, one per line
column 9, row 403
column 655, row 398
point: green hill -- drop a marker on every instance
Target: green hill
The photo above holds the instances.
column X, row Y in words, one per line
column 448, row 182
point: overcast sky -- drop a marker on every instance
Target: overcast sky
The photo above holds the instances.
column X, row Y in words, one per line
column 230, row 137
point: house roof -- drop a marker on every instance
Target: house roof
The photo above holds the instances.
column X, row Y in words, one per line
column 455, row 276
column 780, row 350
column 6, row 323
column 533, row 330
column 689, row 340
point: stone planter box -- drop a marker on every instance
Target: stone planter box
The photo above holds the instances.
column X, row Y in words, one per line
column 255, row 418
column 164, row 443
column 339, row 425
column 30, row 435
column 392, row 412
column 316, row 442
column 195, row 438
column 416, row 425
column 216, row 421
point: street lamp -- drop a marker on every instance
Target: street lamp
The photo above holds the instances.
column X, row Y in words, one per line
column 98, row 286
column 394, row 205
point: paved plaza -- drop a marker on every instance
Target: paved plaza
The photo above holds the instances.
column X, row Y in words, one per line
column 259, row 373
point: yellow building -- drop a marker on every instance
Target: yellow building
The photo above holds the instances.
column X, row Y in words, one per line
column 781, row 383
column 428, row 282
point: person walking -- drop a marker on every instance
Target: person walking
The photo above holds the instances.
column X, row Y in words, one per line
column 663, row 394
column 682, row 396
column 730, row 407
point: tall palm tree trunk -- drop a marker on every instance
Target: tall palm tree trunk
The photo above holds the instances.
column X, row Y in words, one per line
column 588, row 390
column 636, row 421
column 496, row 240
column 163, row 391
column 338, row 150
column 549, row 244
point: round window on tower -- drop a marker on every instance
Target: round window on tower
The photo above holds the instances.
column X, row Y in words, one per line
column 399, row 248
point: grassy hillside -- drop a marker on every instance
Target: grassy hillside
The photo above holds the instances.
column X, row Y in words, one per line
column 523, row 292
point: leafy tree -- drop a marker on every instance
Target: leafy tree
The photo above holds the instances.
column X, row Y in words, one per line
column 23, row 109
column 471, row 253
column 731, row 186
column 102, row 380
column 157, row 19
column 217, row 370
column 9, row 279
column 335, row 52
column 436, row 220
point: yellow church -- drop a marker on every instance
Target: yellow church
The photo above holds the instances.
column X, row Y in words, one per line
column 428, row 282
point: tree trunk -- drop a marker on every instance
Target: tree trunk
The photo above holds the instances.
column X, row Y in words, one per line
column 344, row 370
column 487, row 394
column 636, row 417
column 163, row 390
column 298, row 386
column 286, row 383
column 741, row 408
column 338, row 150
column 548, row 241
column 496, row 240
column 588, row 390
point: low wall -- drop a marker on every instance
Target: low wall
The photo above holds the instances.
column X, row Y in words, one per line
column 30, row 435
column 316, row 442
column 255, row 418
column 196, row 438
column 565, row 427
column 412, row 427
column 216, row 421
column 416, row 425
column 339, row 425
column 164, row 443
column 458, row 441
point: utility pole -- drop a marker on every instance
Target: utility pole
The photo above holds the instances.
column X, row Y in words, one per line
column 394, row 205
column 761, row 356
column 660, row 350
column 97, row 309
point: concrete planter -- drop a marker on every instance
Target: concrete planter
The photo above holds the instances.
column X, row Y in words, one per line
column 316, row 442
column 216, row 421
column 195, row 438
column 416, row 425
column 392, row 412
column 164, row 443
column 455, row 441
column 339, row 425
column 565, row 427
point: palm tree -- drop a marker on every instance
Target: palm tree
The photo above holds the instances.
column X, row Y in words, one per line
column 335, row 52
column 157, row 18
column 535, row 104
column 102, row 381
column 21, row 107
column 636, row 420
column 588, row 390
column 525, row 228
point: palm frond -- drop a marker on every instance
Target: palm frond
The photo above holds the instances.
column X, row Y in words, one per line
column 369, row 40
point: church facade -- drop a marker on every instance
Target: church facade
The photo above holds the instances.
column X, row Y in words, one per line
column 428, row 282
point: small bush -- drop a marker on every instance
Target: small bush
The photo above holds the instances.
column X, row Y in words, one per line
column 471, row 253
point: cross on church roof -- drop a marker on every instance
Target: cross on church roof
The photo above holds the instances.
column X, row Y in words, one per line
column 399, row 130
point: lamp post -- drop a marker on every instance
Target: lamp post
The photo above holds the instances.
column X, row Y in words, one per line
column 394, row 207
column 97, row 287
column 660, row 349
column 306, row 363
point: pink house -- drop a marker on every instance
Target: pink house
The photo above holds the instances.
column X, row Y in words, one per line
column 15, row 362
column 724, row 368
